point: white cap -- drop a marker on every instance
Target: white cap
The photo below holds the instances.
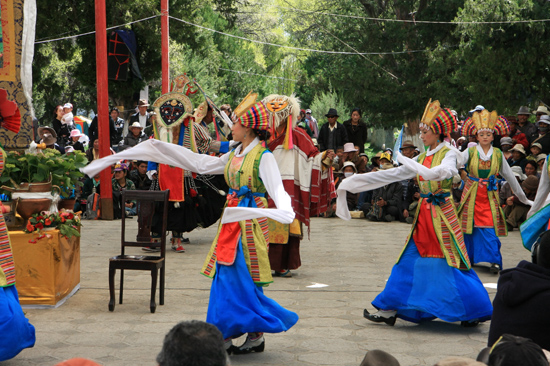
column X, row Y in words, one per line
column 478, row 108
column 308, row 111
column 67, row 105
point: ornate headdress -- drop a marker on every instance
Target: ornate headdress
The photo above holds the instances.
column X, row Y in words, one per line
column 283, row 109
column 439, row 120
column 485, row 121
column 252, row 114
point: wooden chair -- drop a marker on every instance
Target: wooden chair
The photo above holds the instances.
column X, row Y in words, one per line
column 146, row 202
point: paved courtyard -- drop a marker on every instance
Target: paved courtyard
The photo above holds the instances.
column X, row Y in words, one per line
column 353, row 258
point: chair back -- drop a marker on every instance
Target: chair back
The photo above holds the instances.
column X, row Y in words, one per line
column 147, row 203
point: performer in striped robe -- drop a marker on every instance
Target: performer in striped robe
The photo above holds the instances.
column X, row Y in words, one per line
column 432, row 277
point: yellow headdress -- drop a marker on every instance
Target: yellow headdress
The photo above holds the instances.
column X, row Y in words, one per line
column 485, row 121
column 439, row 120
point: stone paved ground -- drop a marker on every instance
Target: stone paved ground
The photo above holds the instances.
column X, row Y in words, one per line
column 354, row 258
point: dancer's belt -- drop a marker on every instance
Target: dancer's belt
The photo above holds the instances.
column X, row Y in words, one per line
column 435, row 199
column 490, row 182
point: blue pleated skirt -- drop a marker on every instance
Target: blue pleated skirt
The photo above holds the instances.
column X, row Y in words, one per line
column 238, row 306
column 483, row 245
column 16, row 333
column 428, row 288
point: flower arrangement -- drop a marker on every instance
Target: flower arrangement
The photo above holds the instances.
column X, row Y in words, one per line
column 64, row 170
column 66, row 222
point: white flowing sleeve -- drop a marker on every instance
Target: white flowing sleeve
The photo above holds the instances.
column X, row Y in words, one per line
column 507, row 173
column 366, row 182
column 163, row 153
column 446, row 170
column 542, row 192
column 270, row 176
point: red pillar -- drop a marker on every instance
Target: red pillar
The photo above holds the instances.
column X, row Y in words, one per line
column 103, row 106
column 165, row 40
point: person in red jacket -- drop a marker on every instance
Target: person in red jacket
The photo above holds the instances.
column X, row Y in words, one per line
column 517, row 136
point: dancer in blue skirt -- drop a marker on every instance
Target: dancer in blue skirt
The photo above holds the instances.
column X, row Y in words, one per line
column 432, row 277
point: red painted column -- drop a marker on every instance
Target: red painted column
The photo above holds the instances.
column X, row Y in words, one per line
column 103, row 106
column 165, row 41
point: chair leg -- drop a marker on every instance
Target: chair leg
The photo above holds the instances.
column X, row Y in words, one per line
column 121, row 285
column 154, row 275
column 112, row 289
column 162, row 273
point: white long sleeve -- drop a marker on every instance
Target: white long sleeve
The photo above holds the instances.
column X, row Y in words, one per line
column 163, row 153
column 270, row 176
column 542, row 192
column 410, row 168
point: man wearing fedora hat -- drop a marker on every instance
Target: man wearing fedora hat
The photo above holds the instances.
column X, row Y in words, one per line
column 542, row 110
column 351, row 153
column 134, row 137
column 529, row 129
column 544, row 137
column 141, row 116
column 332, row 134
column 49, row 137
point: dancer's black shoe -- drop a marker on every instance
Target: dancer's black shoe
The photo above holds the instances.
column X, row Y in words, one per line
column 379, row 319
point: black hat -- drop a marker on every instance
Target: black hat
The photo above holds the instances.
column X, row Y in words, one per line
column 332, row 112
column 517, row 351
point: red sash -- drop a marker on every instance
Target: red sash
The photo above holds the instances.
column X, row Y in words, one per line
column 226, row 249
column 172, row 178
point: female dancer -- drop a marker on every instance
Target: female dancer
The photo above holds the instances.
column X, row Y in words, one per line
column 480, row 214
column 16, row 333
column 432, row 278
column 238, row 261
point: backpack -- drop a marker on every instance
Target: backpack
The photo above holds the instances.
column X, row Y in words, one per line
column 92, row 207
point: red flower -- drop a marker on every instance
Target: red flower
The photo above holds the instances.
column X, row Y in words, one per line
column 40, row 218
column 192, row 192
column 63, row 219
column 48, row 222
column 70, row 216
column 40, row 226
column 30, row 228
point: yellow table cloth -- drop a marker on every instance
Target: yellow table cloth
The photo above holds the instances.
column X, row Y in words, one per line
column 47, row 267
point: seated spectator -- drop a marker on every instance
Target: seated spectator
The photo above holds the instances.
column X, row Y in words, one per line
column 512, row 350
column 339, row 152
column 541, row 158
column 506, row 145
column 193, row 343
column 386, row 201
column 375, row 162
column 48, row 137
column 523, row 296
column 517, row 136
column 347, row 171
column 531, row 168
column 516, row 211
column 377, row 357
column 458, row 187
column 120, row 183
column 93, row 152
column 518, row 157
column 410, row 200
column 543, row 137
column 505, row 191
column 351, row 154
column 407, row 149
column 134, row 137
column 536, row 149
column 75, row 140
column 139, row 176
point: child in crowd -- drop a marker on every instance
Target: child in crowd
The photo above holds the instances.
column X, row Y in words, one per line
column 536, row 149
column 68, row 118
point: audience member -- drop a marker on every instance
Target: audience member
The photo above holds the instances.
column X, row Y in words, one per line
column 528, row 128
column 119, row 127
column 351, row 154
column 48, row 136
column 193, row 343
column 134, row 137
column 541, row 111
column 410, row 200
column 357, row 129
column 505, row 190
column 531, row 168
column 348, row 170
column 62, row 130
column 375, row 162
column 93, row 130
column 541, row 158
column 122, row 182
column 332, row 134
column 378, row 357
column 302, row 123
column 141, row 116
column 535, row 149
column 518, row 157
column 517, row 136
column 521, row 303
column 505, row 145
column 87, row 189
column 407, row 149
column 312, row 122
column 68, row 118
column 458, row 187
column 512, row 350
column 543, row 137
column 139, row 176
column 75, row 140
column 387, row 201
column 516, row 211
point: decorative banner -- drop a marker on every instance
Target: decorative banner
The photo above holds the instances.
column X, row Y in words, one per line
column 12, row 13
